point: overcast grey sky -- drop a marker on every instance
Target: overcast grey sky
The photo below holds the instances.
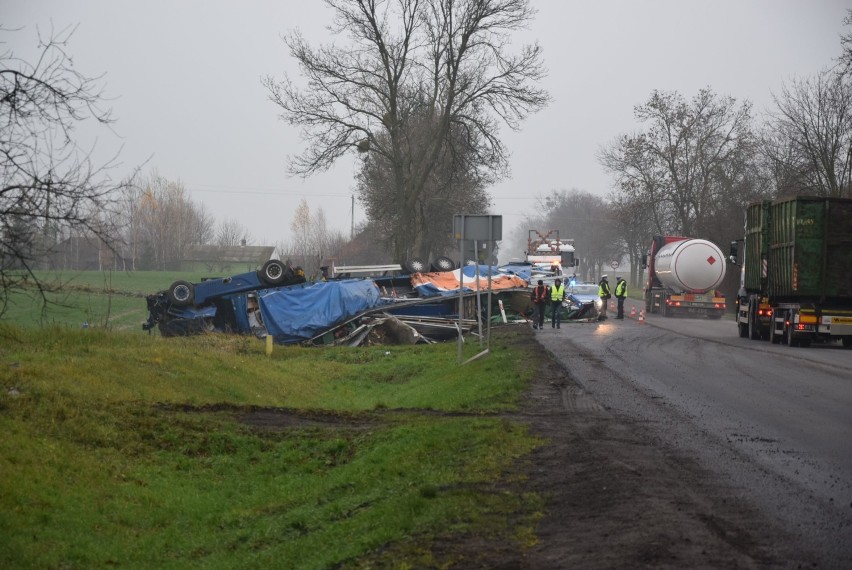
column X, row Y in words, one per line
column 186, row 78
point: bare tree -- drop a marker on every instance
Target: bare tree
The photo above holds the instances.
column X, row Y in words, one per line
column 441, row 63
column 633, row 223
column 230, row 232
column 170, row 223
column 457, row 185
column 47, row 182
column 810, row 134
column 845, row 59
column 682, row 164
column 300, row 226
column 589, row 221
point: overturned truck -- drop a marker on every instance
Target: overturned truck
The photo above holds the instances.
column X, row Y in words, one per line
column 277, row 301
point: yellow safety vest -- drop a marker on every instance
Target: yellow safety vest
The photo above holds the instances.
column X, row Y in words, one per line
column 556, row 293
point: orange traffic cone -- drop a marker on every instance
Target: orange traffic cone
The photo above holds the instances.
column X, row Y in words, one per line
column 633, row 312
column 641, row 317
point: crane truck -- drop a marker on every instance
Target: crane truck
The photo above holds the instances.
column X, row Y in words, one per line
column 796, row 274
column 549, row 254
column 683, row 274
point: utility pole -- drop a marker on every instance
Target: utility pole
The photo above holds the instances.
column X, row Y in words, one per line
column 352, row 223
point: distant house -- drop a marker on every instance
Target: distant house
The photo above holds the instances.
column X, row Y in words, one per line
column 226, row 260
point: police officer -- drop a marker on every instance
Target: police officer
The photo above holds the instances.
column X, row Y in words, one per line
column 605, row 295
column 557, row 294
column 620, row 295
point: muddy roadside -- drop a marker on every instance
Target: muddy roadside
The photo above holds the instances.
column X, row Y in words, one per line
column 618, row 497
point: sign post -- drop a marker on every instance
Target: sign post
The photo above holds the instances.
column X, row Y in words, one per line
column 476, row 229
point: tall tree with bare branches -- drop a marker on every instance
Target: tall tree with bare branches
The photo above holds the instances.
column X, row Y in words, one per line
column 47, row 182
column 444, row 64
column 685, row 162
column 810, row 134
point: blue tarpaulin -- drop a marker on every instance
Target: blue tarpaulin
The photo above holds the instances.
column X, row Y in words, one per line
column 304, row 312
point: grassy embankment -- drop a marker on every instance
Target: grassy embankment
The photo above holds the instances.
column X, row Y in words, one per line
column 113, row 300
column 123, row 449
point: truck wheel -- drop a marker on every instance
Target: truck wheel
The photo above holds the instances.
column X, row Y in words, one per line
column 774, row 337
column 847, row 342
column 443, row 263
column 414, row 265
column 753, row 327
column 181, row 293
column 273, row 272
column 743, row 330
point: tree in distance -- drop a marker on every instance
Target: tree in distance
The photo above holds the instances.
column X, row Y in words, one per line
column 415, row 79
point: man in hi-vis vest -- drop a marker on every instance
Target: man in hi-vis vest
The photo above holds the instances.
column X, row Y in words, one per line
column 540, row 299
column 605, row 295
column 557, row 293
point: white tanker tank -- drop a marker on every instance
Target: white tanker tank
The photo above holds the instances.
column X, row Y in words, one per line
column 683, row 276
column 690, row 265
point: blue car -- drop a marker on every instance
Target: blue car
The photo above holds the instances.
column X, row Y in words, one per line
column 583, row 294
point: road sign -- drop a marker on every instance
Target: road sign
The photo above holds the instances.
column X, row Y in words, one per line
column 614, row 264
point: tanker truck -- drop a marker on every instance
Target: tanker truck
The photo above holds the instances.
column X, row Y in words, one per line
column 683, row 274
column 796, row 278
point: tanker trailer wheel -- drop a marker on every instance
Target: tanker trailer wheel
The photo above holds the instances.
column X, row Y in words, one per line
column 443, row 263
column 273, row 272
column 181, row 293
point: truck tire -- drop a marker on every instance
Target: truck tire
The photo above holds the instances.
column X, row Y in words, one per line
column 181, row 293
column 443, row 263
column 414, row 265
column 774, row 337
column 753, row 326
column 742, row 328
column 273, row 272
column 847, row 342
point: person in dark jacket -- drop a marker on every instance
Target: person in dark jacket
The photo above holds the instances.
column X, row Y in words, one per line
column 539, row 299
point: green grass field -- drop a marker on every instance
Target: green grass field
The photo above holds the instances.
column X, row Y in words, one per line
column 111, row 300
column 128, row 450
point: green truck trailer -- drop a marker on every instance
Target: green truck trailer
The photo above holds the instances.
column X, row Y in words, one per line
column 796, row 278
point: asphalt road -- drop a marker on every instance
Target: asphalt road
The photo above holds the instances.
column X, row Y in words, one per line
column 773, row 421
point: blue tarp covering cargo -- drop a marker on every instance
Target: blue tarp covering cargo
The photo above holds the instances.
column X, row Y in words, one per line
column 303, row 312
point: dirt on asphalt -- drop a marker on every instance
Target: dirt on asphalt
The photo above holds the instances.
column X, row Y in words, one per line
column 615, row 495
